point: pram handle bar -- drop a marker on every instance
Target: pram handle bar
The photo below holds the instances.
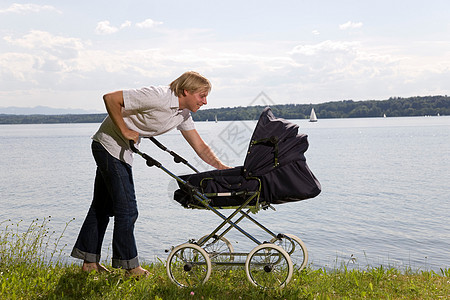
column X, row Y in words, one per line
column 176, row 158
column 153, row 162
column 195, row 193
column 157, row 143
column 150, row 161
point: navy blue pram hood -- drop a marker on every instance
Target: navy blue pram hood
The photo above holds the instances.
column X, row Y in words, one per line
column 275, row 163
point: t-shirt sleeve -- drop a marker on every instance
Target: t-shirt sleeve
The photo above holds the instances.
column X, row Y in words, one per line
column 138, row 99
column 188, row 123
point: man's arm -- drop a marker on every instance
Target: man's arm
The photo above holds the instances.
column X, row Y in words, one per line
column 202, row 149
column 114, row 103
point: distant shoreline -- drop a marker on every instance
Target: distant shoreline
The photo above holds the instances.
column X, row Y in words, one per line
column 393, row 107
column 79, row 119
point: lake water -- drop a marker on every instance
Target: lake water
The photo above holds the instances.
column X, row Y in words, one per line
column 384, row 201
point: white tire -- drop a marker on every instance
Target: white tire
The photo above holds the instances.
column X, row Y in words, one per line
column 296, row 249
column 219, row 250
column 188, row 265
column 268, row 266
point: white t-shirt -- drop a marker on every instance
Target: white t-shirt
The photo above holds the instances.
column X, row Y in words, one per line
column 150, row 111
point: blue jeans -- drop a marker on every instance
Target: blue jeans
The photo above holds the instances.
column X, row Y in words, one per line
column 113, row 197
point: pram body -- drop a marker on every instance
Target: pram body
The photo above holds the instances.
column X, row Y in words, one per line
column 274, row 172
column 275, row 163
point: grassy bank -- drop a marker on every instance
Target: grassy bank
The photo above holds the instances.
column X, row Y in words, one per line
column 30, row 269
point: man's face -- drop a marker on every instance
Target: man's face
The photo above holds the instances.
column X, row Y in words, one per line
column 195, row 100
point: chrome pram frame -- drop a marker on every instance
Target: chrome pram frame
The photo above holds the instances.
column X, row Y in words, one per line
column 270, row 264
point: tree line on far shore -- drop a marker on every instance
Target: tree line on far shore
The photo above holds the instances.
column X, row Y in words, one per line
column 393, row 107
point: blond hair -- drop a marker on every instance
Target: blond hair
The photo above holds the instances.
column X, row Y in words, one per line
column 190, row 81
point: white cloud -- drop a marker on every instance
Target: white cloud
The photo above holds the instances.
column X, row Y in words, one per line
column 342, row 66
column 315, row 32
column 350, row 25
column 324, row 47
column 28, row 8
column 328, row 70
column 37, row 39
column 40, row 60
column 125, row 24
column 15, row 68
column 148, row 23
column 104, row 27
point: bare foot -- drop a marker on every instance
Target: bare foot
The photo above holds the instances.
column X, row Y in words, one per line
column 138, row 272
column 95, row 266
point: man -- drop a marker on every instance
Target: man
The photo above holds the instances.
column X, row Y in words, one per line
column 133, row 114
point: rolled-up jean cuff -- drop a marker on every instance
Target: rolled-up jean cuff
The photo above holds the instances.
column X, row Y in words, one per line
column 88, row 257
column 125, row 264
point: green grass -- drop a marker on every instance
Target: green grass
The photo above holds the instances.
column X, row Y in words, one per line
column 30, row 268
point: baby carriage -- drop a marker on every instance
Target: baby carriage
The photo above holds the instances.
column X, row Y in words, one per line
column 274, row 172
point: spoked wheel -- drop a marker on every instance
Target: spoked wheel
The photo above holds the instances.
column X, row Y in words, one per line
column 268, row 266
column 295, row 247
column 219, row 250
column 188, row 265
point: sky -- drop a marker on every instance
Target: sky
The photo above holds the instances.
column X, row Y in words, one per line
column 67, row 54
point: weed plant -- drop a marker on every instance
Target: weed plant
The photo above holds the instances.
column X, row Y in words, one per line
column 31, row 268
column 33, row 246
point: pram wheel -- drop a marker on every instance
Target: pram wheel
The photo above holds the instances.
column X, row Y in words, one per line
column 219, row 250
column 268, row 266
column 295, row 247
column 188, row 265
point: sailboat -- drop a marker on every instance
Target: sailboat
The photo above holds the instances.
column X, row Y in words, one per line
column 313, row 117
column 215, row 118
